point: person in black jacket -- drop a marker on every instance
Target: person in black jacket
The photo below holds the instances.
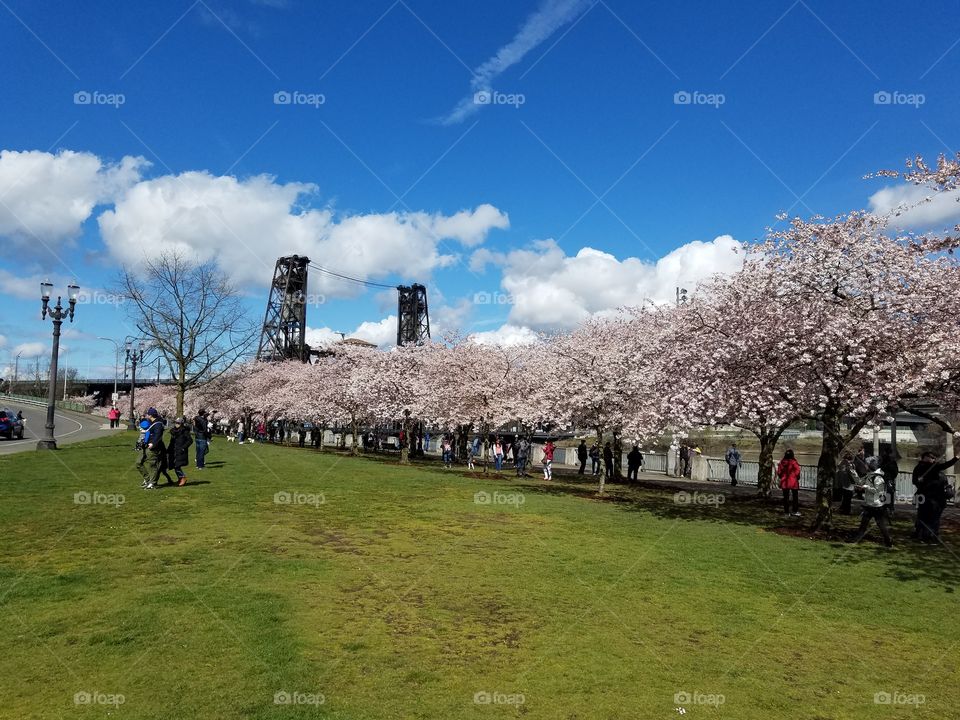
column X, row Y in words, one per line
column 932, row 495
column 608, row 461
column 202, row 432
column 595, row 458
column 582, row 456
column 888, row 464
column 156, row 452
column 178, row 454
column 634, row 461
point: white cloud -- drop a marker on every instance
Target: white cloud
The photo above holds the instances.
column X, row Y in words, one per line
column 382, row 333
column 548, row 18
column 3, row 341
column 941, row 209
column 246, row 224
column 31, row 350
column 549, row 290
column 506, row 336
column 48, row 197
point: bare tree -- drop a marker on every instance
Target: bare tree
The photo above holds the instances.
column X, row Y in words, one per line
column 191, row 314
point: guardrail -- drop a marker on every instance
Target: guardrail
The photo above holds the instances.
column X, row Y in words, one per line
column 40, row 402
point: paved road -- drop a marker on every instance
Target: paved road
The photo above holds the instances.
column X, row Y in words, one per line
column 70, row 427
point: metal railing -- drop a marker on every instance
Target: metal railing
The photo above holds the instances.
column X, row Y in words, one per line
column 41, row 402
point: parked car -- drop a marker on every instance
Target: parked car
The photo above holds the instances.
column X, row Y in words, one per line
column 10, row 425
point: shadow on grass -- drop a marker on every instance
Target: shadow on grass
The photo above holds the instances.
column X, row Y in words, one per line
column 909, row 561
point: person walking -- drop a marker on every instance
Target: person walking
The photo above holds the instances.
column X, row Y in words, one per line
column 686, row 460
column 595, row 458
column 156, row 451
column 582, row 454
column 932, row 493
column 447, row 451
column 178, row 453
column 202, row 433
column 699, row 467
column 114, row 416
column 890, row 469
column 497, row 454
column 733, row 462
column 788, row 471
column 634, row 462
column 240, row 431
column 846, row 482
column 523, row 455
column 608, row 461
column 548, row 450
column 301, row 434
column 874, row 502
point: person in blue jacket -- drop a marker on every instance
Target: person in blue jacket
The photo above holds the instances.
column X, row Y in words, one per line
column 156, row 463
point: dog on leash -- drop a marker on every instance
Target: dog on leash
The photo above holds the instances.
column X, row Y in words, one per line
column 231, row 438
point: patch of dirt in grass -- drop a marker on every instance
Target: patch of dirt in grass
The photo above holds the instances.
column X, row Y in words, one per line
column 333, row 541
column 164, row 539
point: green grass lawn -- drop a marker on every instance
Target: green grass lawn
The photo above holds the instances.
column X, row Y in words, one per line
column 390, row 592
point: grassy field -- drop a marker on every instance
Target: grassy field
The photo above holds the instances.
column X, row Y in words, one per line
column 367, row 590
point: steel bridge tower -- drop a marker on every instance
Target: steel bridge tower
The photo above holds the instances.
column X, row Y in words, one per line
column 413, row 318
column 285, row 321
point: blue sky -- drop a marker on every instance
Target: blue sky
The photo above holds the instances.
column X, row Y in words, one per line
column 586, row 181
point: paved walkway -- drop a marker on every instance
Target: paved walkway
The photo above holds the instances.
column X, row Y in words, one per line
column 70, row 427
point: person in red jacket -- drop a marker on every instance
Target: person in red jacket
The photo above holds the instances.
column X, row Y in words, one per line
column 788, row 471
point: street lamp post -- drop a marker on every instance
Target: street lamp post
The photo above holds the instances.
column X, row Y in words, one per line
column 57, row 314
column 16, row 370
column 134, row 355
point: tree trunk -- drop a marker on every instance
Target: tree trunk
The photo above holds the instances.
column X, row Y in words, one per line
column 354, row 447
column 827, row 467
column 617, row 455
column 603, row 466
column 405, row 445
column 768, row 441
